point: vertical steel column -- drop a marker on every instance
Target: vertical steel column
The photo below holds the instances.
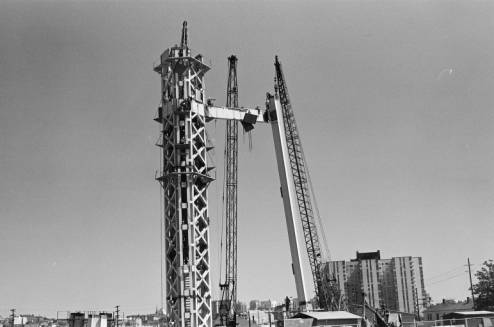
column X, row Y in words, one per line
column 288, row 193
column 184, row 178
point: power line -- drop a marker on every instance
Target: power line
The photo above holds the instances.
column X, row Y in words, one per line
column 446, row 272
column 446, row 279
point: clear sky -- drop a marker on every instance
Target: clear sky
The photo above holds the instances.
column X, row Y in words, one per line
column 394, row 102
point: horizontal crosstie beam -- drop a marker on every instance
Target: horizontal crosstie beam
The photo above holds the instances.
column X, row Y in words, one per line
column 241, row 114
column 210, row 112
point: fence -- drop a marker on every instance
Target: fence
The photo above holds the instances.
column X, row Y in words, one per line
column 466, row 322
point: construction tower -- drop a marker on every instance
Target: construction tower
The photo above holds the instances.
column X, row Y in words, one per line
column 184, row 177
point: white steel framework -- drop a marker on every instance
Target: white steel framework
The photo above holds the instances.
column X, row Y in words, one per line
column 184, row 178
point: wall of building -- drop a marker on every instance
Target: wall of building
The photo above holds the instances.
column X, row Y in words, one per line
column 370, row 282
column 437, row 311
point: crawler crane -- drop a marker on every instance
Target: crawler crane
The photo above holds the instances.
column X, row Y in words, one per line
column 297, row 194
column 298, row 197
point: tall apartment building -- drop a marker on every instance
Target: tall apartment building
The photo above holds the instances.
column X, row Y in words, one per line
column 396, row 284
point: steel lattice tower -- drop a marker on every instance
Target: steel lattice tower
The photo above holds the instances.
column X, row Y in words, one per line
column 184, row 178
column 229, row 287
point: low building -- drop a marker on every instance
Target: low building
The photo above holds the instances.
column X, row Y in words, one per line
column 324, row 318
column 77, row 319
column 215, row 307
column 97, row 320
column 241, row 307
column 20, row 320
column 438, row 311
column 469, row 314
column 133, row 322
column 265, row 305
column 260, row 317
column 470, row 318
column 254, row 304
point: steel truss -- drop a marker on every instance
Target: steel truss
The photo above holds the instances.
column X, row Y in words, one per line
column 184, row 177
column 229, row 287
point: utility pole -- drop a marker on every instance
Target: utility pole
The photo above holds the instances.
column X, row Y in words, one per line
column 117, row 309
column 471, row 284
column 363, row 305
column 13, row 316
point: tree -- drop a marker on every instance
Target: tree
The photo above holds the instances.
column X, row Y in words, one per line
column 483, row 290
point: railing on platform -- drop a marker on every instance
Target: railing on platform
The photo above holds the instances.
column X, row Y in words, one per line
column 466, row 322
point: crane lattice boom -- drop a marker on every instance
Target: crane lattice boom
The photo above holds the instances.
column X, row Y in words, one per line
column 300, row 178
column 229, row 288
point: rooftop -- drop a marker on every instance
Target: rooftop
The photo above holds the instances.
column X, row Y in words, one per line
column 367, row 256
column 451, row 306
column 473, row 313
column 326, row 315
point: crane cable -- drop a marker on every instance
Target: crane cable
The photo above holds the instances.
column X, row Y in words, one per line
column 162, row 232
column 223, row 217
column 326, row 254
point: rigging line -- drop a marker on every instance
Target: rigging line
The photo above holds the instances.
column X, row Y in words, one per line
column 217, row 209
column 223, row 209
column 161, row 243
column 443, row 280
column 326, row 255
column 162, row 221
column 446, row 272
column 213, row 152
column 250, row 141
column 325, row 246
